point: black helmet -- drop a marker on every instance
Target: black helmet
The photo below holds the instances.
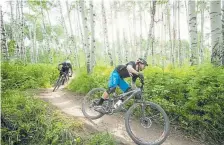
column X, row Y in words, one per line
column 141, row 60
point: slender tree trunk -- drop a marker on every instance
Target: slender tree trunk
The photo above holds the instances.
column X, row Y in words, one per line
column 72, row 37
column 112, row 27
column 86, row 37
column 12, row 21
column 106, row 34
column 93, row 47
column 23, row 50
column 174, row 54
column 125, row 46
column 141, row 38
column 119, row 51
column 170, row 38
column 79, row 26
column 46, row 37
column 222, row 48
column 179, row 39
column 17, row 35
column 134, row 34
column 201, row 52
column 193, row 33
column 150, row 35
column 3, row 42
column 215, row 17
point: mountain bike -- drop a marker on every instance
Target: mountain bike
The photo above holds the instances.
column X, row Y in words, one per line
column 63, row 78
column 145, row 122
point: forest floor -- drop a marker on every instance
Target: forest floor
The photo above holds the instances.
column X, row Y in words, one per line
column 70, row 103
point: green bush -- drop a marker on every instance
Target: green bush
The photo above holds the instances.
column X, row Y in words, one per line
column 102, row 139
column 192, row 96
column 26, row 120
column 18, row 76
column 83, row 82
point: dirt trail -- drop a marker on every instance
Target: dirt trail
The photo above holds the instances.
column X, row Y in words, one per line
column 70, row 103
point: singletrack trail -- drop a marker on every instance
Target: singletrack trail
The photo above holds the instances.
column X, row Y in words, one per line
column 70, row 103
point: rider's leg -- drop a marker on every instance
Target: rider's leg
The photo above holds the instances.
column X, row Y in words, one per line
column 113, row 82
column 106, row 95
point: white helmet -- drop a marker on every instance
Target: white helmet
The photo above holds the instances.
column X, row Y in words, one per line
column 68, row 61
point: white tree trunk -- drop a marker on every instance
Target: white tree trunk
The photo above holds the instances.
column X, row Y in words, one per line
column 125, row 46
column 201, row 52
column 112, row 28
column 23, row 50
column 134, row 34
column 173, row 51
column 46, row 36
column 119, row 51
column 170, row 37
column 106, row 34
column 86, row 37
column 150, row 35
column 179, row 39
column 215, row 17
column 193, row 33
column 93, row 47
column 222, row 48
column 3, row 42
column 141, row 38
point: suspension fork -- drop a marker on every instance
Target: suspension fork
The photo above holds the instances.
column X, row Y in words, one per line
column 143, row 110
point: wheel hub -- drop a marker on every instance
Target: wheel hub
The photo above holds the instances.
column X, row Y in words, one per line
column 146, row 122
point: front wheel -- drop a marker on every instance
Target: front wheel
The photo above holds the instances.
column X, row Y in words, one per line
column 147, row 123
column 58, row 83
column 90, row 101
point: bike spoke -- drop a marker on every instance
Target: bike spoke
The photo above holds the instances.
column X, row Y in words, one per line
column 146, row 125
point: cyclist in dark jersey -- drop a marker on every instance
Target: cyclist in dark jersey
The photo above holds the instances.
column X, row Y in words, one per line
column 131, row 69
column 65, row 67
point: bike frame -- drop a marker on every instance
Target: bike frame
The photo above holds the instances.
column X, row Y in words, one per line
column 132, row 94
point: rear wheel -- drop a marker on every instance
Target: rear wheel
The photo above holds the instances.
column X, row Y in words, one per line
column 90, row 101
column 147, row 123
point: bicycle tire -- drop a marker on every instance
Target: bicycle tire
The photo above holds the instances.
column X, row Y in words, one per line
column 158, row 141
column 84, row 103
column 58, row 83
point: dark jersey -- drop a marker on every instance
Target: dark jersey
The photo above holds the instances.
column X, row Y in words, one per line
column 123, row 72
column 65, row 66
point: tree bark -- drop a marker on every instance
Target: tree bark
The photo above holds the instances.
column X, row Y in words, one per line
column 150, row 35
column 193, row 33
column 215, row 18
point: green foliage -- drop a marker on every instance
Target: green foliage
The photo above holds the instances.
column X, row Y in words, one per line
column 84, row 82
column 17, row 76
column 192, row 96
column 102, row 139
column 11, row 47
column 26, row 120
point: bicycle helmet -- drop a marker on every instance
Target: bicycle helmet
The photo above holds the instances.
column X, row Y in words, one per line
column 141, row 60
column 68, row 61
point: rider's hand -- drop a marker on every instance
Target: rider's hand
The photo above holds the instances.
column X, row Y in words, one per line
column 140, row 75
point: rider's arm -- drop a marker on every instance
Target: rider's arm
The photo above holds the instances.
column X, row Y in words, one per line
column 71, row 68
column 59, row 66
column 132, row 70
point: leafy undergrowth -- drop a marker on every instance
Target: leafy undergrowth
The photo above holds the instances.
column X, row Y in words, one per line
column 18, row 76
column 26, row 120
column 192, row 96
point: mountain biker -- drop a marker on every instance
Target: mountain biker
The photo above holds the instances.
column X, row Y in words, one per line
column 66, row 65
column 131, row 69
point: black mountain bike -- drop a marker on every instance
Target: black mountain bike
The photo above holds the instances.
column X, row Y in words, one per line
column 145, row 122
column 62, row 79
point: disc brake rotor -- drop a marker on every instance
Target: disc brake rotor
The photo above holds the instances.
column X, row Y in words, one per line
column 146, row 122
